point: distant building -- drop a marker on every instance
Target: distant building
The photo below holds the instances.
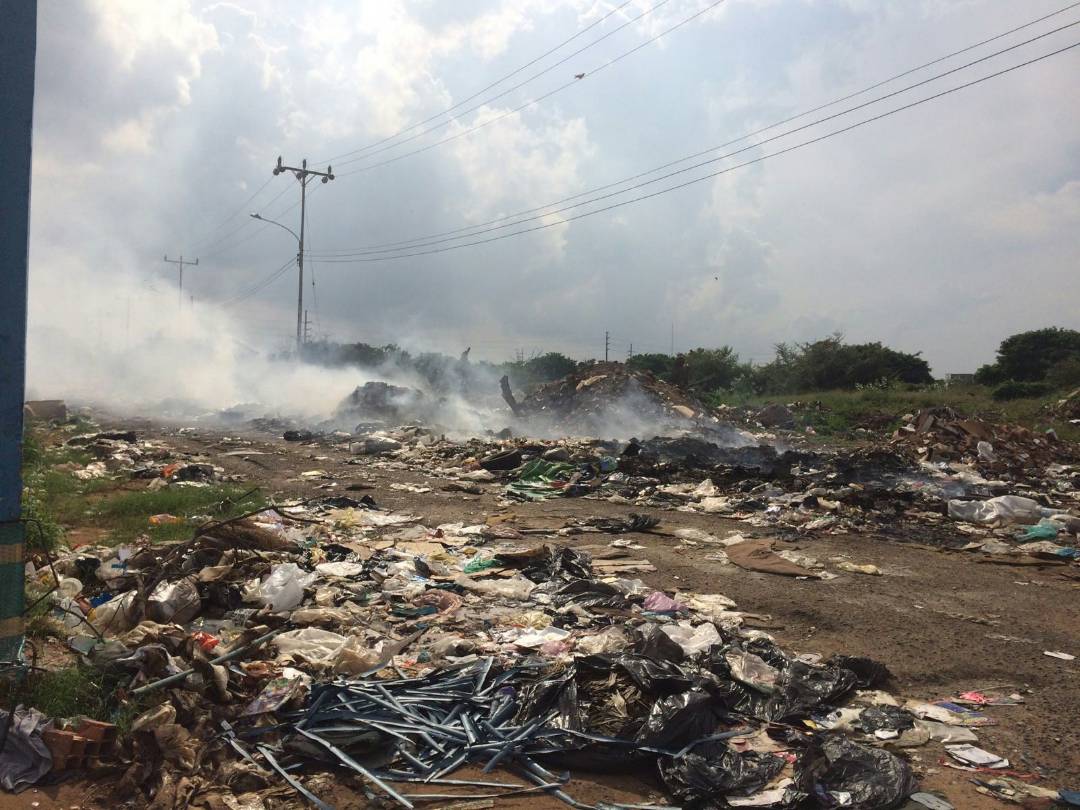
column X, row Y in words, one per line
column 959, row 379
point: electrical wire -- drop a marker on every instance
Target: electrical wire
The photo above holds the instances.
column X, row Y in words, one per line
column 495, row 83
column 717, row 173
column 235, row 213
column 516, row 110
column 476, row 227
column 209, row 250
column 259, row 286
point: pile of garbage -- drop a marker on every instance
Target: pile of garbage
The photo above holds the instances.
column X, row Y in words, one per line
column 324, row 641
column 609, row 399
column 941, row 435
column 382, row 402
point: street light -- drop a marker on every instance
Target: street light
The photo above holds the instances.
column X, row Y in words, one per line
column 261, row 218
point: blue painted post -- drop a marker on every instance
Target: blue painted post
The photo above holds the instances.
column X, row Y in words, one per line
column 18, row 43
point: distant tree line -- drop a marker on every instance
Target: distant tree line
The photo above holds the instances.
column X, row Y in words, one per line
column 1028, row 364
column 1032, row 364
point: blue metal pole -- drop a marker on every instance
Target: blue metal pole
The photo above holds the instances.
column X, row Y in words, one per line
column 18, row 43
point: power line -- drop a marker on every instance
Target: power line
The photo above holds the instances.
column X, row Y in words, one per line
column 476, row 228
column 238, row 211
column 516, row 110
column 264, row 224
column 259, row 286
column 497, row 82
column 711, row 175
column 210, row 249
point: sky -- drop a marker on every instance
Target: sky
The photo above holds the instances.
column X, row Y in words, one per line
column 940, row 229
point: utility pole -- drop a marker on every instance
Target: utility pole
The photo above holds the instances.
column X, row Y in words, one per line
column 302, row 174
column 672, row 337
column 630, row 352
column 18, row 43
column 307, row 336
column 607, row 344
column 180, row 263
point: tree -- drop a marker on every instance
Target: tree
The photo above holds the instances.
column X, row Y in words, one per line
column 830, row 363
column 659, row 365
column 1028, row 356
column 710, row 370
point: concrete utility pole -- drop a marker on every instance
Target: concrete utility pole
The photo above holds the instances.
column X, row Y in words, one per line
column 180, row 263
column 307, row 334
column 18, row 43
column 302, row 174
column 607, row 345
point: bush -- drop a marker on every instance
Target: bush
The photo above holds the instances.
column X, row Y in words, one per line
column 830, row 364
column 1028, row 356
column 1065, row 373
column 1014, row 389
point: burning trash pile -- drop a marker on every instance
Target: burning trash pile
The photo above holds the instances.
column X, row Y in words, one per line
column 958, row 500
column 609, row 399
column 333, row 643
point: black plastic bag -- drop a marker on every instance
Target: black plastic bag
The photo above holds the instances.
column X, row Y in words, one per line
column 804, row 688
column 892, row 718
column 870, row 673
column 654, row 678
column 654, row 643
column 707, row 772
column 874, row 778
column 677, row 720
column 587, row 593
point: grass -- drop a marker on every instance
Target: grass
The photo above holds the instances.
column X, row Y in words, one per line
column 881, row 409
column 55, row 500
column 76, row 690
column 126, row 514
column 82, row 690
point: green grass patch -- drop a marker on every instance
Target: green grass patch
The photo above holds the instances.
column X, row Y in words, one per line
column 76, row 690
column 126, row 513
column 82, row 690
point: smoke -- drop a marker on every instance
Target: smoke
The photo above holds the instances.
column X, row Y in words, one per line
column 132, row 350
column 141, row 352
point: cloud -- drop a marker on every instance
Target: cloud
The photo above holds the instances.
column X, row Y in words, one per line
column 942, row 229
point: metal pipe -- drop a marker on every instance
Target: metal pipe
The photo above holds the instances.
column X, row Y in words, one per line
column 221, row 659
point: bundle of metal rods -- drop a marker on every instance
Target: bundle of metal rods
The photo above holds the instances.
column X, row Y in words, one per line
column 433, row 725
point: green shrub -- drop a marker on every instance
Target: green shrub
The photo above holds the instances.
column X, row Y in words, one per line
column 1013, row 389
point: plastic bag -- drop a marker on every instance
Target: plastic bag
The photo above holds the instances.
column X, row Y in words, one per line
column 693, row 640
column 177, row 602
column 1043, row 530
column 659, row 602
column 1003, row 509
column 284, row 588
column 610, row 640
column 311, row 644
column 867, row 778
column 676, row 720
column 115, row 616
column 517, row 588
column 749, row 669
column 710, row 770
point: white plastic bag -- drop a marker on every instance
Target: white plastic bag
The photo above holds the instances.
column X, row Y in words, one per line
column 1004, row 509
column 693, row 640
column 311, row 644
column 284, row 588
column 115, row 616
column 174, row 602
column 513, row 588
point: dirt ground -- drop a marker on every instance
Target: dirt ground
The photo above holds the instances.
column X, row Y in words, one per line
column 941, row 621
